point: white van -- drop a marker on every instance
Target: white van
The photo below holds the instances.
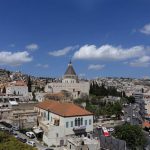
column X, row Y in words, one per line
column 30, row 135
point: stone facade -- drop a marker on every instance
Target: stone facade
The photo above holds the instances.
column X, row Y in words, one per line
column 71, row 83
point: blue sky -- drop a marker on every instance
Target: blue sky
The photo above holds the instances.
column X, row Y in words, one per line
column 102, row 37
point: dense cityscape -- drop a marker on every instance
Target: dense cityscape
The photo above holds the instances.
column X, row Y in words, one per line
column 73, row 113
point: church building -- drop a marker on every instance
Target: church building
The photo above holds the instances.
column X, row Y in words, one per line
column 70, row 83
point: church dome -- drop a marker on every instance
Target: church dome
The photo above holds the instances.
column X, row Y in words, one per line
column 70, row 72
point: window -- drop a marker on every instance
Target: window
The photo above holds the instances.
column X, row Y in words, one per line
column 44, row 114
column 48, row 116
column 76, row 122
column 85, row 122
column 57, row 135
column 90, row 121
column 81, row 121
column 67, row 124
column 71, row 123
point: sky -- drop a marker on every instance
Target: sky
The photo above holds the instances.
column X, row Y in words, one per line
column 102, row 37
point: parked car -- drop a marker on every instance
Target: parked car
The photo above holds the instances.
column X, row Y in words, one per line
column 31, row 143
column 2, row 128
column 16, row 128
column 14, row 134
column 22, row 139
column 133, row 115
column 6, row 124
column 128, row 119
column 110, row 129
column 23, row 131
column 49, row 149
column 99, row 127
column 30, row 135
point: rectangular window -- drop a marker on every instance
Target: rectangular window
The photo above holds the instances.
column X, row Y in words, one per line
column 71, row 123
column 48, row 116
column 85, row 121
column 57, row 135
column 81, row 121
column 67, row 124
column 90, row 121
column 76, row 122
column 45, row 114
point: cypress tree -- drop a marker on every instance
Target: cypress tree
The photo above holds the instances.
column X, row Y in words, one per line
column 29, row 84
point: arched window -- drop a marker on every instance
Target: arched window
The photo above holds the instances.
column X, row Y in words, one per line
column 76, row 122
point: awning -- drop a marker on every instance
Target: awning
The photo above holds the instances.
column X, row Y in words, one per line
column 80, row 132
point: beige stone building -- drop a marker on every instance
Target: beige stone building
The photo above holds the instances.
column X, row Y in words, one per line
column 70, row 83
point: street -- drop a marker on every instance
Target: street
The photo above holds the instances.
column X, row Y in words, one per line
column 131, row 114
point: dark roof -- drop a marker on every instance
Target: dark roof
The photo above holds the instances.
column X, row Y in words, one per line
column 70, row 70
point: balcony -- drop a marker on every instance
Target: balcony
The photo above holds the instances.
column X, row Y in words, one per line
column 80, row 130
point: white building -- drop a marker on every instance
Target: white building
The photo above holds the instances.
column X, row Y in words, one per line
column 70, row 83
column 146, row 98
column 17, row 88
column 83, row 143
column 39, row 96
column 61, row 119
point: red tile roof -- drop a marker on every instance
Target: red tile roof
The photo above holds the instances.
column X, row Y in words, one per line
column 146, row 124
column 17, row 83
column 63, row 108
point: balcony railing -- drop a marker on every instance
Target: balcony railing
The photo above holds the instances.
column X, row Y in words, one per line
column 79, row 128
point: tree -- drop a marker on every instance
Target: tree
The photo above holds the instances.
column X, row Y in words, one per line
column 101, row 90
column 34, row 97
column 130, row 99
column 132, row 134
column 123, row 94
column 117, row 109
column 29, row 84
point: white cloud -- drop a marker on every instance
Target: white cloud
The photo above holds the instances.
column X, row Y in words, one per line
column 63, row 51
column 108, row 52
column 141, row 62
column 146, row 29
column 14, row 59
column 82, row 75
column 96, row 67
column 32, row 47
column 42, row 65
